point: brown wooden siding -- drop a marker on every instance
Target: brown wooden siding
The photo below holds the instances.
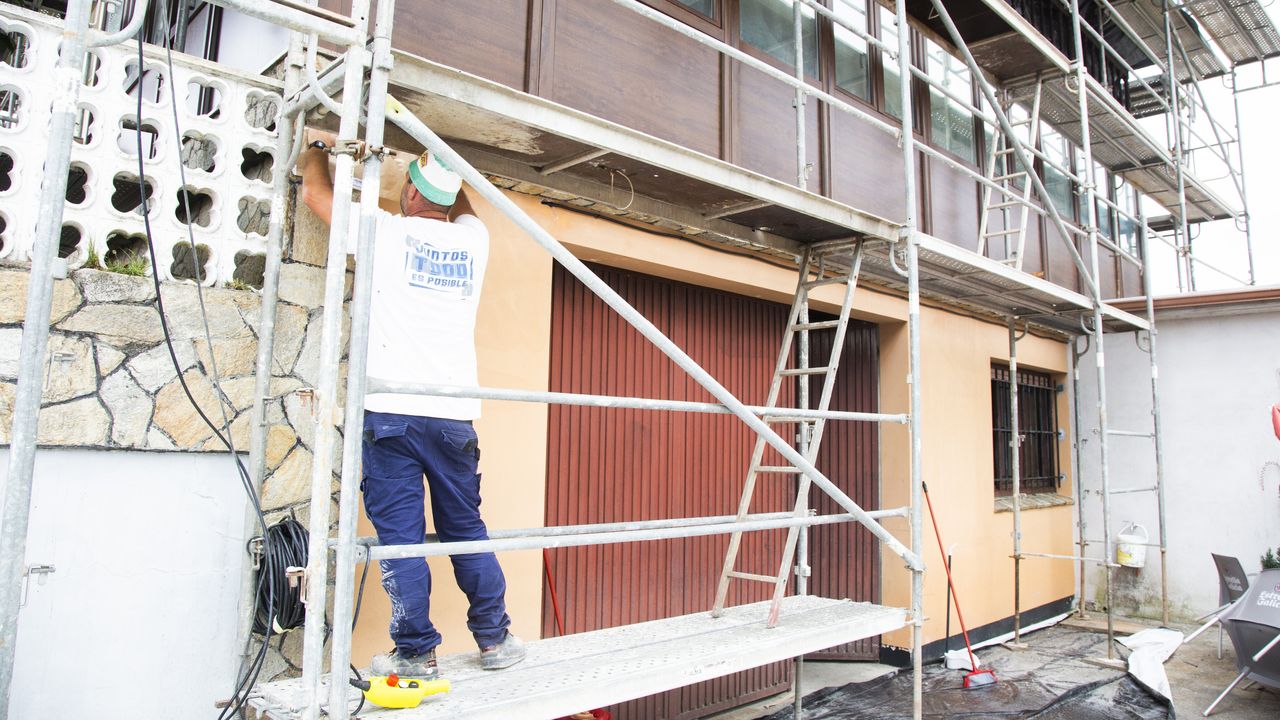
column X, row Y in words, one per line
column 612, row 63
column 862, row 157
column 611, row 465
column 953, row 201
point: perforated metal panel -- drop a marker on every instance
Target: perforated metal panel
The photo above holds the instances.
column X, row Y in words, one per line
column 565, row 675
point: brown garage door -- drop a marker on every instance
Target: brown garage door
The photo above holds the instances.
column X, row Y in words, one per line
column 614, row 465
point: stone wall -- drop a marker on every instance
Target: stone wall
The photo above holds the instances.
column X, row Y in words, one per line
column 110, row 382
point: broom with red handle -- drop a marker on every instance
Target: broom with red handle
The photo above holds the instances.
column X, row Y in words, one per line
column 976, row 678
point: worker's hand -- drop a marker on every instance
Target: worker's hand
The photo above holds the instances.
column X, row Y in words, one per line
column 311, row 154
column 324, row 136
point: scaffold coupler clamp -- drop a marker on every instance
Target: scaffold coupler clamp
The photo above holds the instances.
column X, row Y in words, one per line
column 255, row 549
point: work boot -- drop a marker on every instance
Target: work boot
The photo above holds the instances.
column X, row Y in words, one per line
column 503, row 655
column 416, row 666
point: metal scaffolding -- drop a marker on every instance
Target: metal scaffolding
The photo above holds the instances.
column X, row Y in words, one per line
column 363, row 70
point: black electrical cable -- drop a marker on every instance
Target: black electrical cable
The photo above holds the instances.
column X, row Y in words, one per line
column 249, row 674
column 279, row 602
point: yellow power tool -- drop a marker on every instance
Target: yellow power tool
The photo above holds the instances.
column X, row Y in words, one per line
column 392, row 691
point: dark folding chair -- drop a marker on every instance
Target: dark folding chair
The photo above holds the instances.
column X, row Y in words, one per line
column 1253, row 623
column 1233, row 583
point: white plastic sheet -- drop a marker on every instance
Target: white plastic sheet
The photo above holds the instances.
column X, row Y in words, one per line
column 1150, row 650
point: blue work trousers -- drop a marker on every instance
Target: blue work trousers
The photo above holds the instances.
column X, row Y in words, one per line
column 398, row 450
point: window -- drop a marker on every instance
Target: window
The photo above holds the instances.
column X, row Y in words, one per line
column 852, row 71
column 1057, row 184
column 1127, row 226
column 950, row 121
column 769, row 25
column 705, row 8
column 1037, row 425
column 892, row 85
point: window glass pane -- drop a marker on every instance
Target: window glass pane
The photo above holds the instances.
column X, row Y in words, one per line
column 768, row 25
column 1127, row 230
column 892, row 88
column 1057, row 184
column 851, row 50
column 706, row 8
column 952, row 123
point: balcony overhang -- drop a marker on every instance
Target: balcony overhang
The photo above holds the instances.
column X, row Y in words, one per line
column 532, row 145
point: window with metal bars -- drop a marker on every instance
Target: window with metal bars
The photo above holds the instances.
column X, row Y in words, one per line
column 1037, row 426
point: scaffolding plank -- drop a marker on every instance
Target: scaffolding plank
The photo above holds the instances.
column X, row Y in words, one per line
column 1240, row 27
column 569, row 674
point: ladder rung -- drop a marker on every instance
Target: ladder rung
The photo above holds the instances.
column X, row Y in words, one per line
column 837, row 280
column 752, row 576
column 820, row 325
column 999, row 233
column 1006, row 151
column 804, row 371
column 779, row 469
column 1010, row 176
column 1003, row 205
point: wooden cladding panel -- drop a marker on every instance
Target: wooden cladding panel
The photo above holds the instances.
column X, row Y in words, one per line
column 953, row 202
column 612, row 465
column 614, row 64
column 863, row 160
column 1061, row 268
column 488, row 39
column 766, row 128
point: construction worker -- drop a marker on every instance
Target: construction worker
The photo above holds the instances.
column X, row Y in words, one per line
column 428, row 271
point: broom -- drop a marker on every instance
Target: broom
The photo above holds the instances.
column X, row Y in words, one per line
column 976, row 678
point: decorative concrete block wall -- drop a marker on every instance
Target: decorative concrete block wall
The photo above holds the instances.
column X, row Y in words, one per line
column 213, row 124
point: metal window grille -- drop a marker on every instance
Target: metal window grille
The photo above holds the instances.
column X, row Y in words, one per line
column 1038, row 426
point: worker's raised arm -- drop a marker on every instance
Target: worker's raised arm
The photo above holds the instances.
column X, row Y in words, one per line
column 317, row 186
column 461, row 206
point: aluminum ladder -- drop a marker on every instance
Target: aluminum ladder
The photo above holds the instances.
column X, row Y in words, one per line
column 814, row 273
column 1013, row 199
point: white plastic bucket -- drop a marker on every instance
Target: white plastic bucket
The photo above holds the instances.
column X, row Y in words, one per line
column 1131, row 546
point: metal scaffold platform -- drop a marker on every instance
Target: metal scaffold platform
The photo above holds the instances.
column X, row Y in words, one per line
column 568, row 674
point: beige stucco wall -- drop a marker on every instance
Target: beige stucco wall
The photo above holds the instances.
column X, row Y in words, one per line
column 513, row 343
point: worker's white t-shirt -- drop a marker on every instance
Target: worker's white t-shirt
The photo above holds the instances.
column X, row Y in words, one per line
column 427, row 276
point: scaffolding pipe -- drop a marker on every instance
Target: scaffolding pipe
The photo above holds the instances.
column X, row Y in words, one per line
column 266, row 336
column 327, row 25
column 1098, row 328
column 16, row 514
column 308, row 96
column 1244, row 196
column 1184, row 229
column 401, row 116
column 1016, row 469
column 801, row 100
column 128, row 31
column 627, row 403
column 557, row 530
column 327, row 387
column 1019, row 149
column 357, row 359
column 546, row 540
column 1155, row 427
column 1077, row 480
column 910, row 233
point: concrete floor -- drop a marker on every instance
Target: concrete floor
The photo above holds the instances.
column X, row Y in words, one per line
column 1196, row 676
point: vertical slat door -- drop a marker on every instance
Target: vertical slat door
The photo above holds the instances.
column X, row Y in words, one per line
column 614, row 465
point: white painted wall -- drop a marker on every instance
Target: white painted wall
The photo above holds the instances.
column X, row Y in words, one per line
column 139, row 619
column 1219, row 375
